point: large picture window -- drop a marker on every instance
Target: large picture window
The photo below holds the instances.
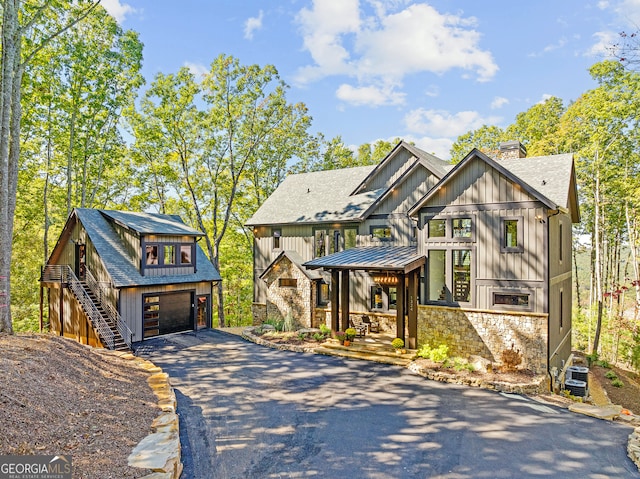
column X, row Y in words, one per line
column 448, row 228
column 169, row 254
column 329, row 241
column 437, row 228
column 437, row 282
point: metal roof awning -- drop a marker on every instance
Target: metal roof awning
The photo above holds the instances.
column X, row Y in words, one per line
column 401, row 259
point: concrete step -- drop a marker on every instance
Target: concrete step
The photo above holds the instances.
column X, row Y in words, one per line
column 368, row 354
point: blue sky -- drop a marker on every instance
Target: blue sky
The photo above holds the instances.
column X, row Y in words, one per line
column 379, row 69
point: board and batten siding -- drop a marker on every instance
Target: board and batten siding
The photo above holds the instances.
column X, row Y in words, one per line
column 480, row 192
column 388, row 172
column 131, row 301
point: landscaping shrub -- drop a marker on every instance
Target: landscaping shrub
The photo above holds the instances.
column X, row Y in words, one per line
column 611, row 375
column 617, row 383
column 324, row 329
column 437, row 355
column 511, row 358
column 276, row 322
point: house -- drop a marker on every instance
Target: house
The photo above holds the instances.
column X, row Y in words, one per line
column 476, row 256
column 116, row 277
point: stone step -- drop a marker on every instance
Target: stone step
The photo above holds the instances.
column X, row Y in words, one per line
column 368, row 355
column 373, row 348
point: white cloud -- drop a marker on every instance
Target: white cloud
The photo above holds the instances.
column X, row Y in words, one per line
column 441, row 123
column 603, row 45
column 198, row 69
column 629, row 13
column 369, row 95
column 117, row 10
column 252, row 24
column 383, row 48
column 545, row 97
column 436, row 146
column 499, row 102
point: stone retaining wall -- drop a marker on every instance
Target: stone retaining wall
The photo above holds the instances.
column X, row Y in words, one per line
column 633, row 447
column 160, row 451
column 386, row 321
column 486, row 333
column 259, row 313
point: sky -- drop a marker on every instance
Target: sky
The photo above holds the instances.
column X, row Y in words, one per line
column 367, row 70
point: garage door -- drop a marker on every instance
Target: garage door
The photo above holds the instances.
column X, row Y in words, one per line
column 167, row 313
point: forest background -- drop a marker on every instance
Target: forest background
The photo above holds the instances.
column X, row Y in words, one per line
column 77, row 129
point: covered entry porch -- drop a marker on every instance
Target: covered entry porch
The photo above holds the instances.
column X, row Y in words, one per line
column 398, row 264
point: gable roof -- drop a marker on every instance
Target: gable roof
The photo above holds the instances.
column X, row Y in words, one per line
column 296, row 260
column 113, row 252
column 317, row 197
column 549, row 179
column 338, row 195
column 435, row 165
column 151, row 223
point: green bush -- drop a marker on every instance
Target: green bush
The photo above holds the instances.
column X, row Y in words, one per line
column 611, row 375
column 397, row 343
column 617, row 383
column 277, row 323
column 437, row 355
column 324, row 329
column 319, row 337
column 603, row 363
column 350, row 333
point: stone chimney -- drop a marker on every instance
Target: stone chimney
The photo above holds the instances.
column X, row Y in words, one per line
column 510, row 150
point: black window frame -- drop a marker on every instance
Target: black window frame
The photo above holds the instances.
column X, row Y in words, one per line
column 276, row 234
column 322, row 298
column 519, row 248
column 512, row 292
column 373, row 228
column 385, row 297
column 448, row 237
column 177, row 254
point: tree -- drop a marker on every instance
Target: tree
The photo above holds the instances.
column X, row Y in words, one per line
column 35, row 24
column 486, row 139
column 536, row 128
column 211, row 135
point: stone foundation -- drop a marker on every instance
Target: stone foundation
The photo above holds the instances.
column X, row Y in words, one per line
column 486, row 333
column 259, row 313
column 387, row 322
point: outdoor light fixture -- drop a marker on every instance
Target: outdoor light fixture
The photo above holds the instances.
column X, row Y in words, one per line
column 385, row 279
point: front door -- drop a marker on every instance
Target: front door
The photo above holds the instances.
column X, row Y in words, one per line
column 203, row 314
column 81, row 261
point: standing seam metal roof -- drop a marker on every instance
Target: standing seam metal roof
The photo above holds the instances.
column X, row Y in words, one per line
column 370, row 258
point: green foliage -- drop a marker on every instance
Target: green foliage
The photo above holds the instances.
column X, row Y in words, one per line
column 289, row 323
column 617, row 383
column 437, row 355
column 319, row 337
column 603, row 363
column 460, row 364
column 397, row 343
column 324, row 329
column 611, row 375
column 277, row 323
column 635, row 353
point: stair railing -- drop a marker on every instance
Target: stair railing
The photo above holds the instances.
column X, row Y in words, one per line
column 64, row 274
column 114, row 315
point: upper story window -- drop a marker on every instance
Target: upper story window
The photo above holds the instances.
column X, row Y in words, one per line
column 332, row 240
column 461, row 227
column 449, row 228
column 437, row 228
column 276, row 233
column 169, row 254
column 382, row 233
column 512, row 235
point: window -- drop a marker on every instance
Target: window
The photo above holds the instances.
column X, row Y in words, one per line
column 560, row 253
column 334, row 243
column 462, row 275
column 319, row 243
column 382, row 233
column 169, row 254
column 151, row 316
column 561, row 318
column 461, row 227
column 512, row 299
column 185, row 254
column 376, row 297
column 288, row 282
column 511, row 235
column 152, row 254
column 437, row 228
column 350, row 237
column 437, row 282
column 323, row 293
column 392, row 295
column 276, row 233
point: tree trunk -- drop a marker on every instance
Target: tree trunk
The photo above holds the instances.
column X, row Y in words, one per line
column 598, row 263
column 10, row 58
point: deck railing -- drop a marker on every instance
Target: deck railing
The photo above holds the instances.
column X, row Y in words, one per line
column 64, row 274
column 101, row 293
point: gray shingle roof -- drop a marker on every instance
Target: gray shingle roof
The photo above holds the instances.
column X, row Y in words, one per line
column 550, row 175
column 296, row 260
column 118, row 262
column 392, row 258
column 152, row 223
column 320, row 196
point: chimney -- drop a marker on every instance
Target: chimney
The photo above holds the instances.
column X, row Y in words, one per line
column 510, row 150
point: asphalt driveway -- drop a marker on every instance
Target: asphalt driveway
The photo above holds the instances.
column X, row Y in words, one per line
column 248, row 411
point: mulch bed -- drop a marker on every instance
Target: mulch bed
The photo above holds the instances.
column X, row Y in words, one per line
column 627, row 396
column 60, row 397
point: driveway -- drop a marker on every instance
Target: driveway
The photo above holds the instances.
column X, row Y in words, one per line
column 248, row 411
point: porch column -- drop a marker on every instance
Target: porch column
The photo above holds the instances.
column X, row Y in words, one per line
column 335, row 299
column 400, row 307
column 413, row 310
column 345, row 299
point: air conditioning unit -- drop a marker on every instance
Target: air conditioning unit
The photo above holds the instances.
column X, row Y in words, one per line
column 576, row 387
column 578, row 372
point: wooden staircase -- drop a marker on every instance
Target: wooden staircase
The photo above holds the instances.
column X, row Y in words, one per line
column 119, row 342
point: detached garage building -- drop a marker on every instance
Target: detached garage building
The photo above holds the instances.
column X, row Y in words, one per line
column 116, row 277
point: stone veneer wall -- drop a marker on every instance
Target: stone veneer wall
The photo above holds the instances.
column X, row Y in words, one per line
column 284, row 300
column 486, row 333
column 387, row 322
column 259, row 313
